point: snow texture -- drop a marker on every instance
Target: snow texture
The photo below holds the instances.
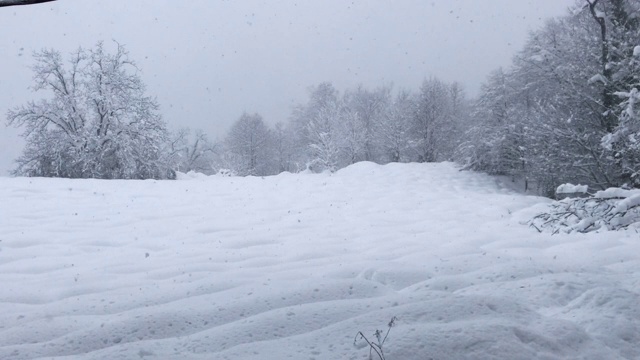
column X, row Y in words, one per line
column 293, row 266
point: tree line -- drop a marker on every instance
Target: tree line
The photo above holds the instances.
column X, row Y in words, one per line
column 332, row 130
column 563, row 111
column 99, row 123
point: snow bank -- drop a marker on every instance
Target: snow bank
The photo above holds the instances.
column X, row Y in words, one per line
column 293, row 266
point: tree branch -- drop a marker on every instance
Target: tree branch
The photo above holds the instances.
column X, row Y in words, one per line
column 21, row 2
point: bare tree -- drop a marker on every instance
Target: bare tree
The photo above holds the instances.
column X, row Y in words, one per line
column 192, row 151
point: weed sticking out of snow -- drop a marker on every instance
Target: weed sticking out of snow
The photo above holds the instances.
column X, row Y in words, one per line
column 376, row 346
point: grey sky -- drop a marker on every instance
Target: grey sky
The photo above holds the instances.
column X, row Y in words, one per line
column 207, row 61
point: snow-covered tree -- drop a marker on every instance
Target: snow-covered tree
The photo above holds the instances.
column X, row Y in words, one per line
column 559, row 106
column 352, row 135
column 432, row 115
column 494, row 143
column 316, row 128
column 618, row 79
column 624, row 141
column 98, row 122
column 323, row 137
column 283, row 147
column 331, row 131
column 249, row 144
column 364, row 109
column 573, row 70
column 567, row 94
column 393, row 133
column 452, row 133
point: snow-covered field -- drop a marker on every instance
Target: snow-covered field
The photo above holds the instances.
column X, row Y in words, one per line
column 293, row 266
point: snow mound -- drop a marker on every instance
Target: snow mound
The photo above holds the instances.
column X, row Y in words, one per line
column 293, row 266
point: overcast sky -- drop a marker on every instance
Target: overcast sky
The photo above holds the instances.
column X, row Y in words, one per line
column 207, row 61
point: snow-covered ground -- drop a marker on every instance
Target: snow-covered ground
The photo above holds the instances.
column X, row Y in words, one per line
column 293, row 266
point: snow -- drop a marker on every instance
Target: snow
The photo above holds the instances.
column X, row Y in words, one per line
column 613, row 193
column 293, row 266
column 628, row 203
column 599, row 14
column 597, row 78
column 570, row 189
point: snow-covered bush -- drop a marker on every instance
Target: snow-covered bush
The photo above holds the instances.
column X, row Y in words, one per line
column 611, row 209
